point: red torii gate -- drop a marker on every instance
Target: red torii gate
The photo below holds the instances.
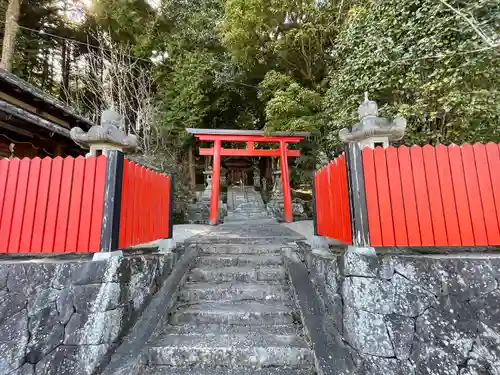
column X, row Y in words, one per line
column 250, row 137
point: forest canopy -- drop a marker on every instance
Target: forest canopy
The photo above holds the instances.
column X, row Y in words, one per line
column 267, row 64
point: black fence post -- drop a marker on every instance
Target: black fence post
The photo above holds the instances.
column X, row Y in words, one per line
column 171, row 207
column 357, row 195
column 315, row 219
column 112, row 201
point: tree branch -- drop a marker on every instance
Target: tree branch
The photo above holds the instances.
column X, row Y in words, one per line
column 490, row 42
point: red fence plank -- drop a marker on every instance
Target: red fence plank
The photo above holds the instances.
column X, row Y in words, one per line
column 4, row 170
column 421, row 197
column 75, row 208
column 147, row 207
column 124, row 205
column 397, row 205
column 30, row 206
column 448, row 196
column 473, row 194
column 346, row 214
column 493, row 155
column 372, row 198
column 20, row 200
column 461, row 198
column 97, row 204
column 486, row 194
column 166, row 205
column 435, row 200
column 332, row 201
column 384, row 199
column 131, row 203
column 52, row 205
column 410, row 203
column 42, row 199
column 86, row 214
column 8, row 206
column 63, row 208
column 137, row 206
column 339, row 228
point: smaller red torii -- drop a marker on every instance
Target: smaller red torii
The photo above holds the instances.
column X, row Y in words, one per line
column 250, row 137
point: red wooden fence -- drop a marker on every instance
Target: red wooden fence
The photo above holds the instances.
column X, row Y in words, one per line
column 433, row 196
column 145, row 207
column 51, row 205
column 332, row 201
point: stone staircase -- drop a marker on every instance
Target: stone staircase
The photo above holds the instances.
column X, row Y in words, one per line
column 235, row 315
column 244, row 205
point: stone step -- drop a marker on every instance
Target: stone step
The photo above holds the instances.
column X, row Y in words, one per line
column 266, row 221
column 230, row 350
column 247, row 213
column 204, row 329
column 239, row 313
column 245, row 217
column 239, row 218
column 242, row 274
column 254, row 249
column 234, row 292
column 239, row 260
column 260, row 210
column 167, row 370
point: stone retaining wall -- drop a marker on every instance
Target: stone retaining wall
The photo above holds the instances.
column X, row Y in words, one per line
column 66, row 317
column 412, row 314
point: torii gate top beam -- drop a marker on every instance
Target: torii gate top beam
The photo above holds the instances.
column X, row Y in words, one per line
column 227, row 135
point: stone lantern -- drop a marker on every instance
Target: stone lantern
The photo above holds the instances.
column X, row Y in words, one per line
column 277, row 192
column 256, row 176
column 373, row 131
column 109, row 135
column 207, row 193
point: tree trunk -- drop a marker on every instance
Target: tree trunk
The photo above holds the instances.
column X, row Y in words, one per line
column 192, row 170
column 9, row 37
column 66, row 68
column 45, row 71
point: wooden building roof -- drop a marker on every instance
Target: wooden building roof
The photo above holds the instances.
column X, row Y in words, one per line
column 28, row 115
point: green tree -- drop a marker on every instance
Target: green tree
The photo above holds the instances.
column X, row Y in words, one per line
column 423, row 61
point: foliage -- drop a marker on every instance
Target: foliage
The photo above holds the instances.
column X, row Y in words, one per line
column 419, row 60
column 294, row 37
column 290, row 106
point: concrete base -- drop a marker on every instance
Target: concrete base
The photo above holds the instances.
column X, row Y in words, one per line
column 367, row 251
column 107, row 255
column 318, row 242
column 181, row 233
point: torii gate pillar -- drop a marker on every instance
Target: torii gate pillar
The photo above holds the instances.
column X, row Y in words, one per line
column 214, row 199
column 250, row 137
column 285, row 180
